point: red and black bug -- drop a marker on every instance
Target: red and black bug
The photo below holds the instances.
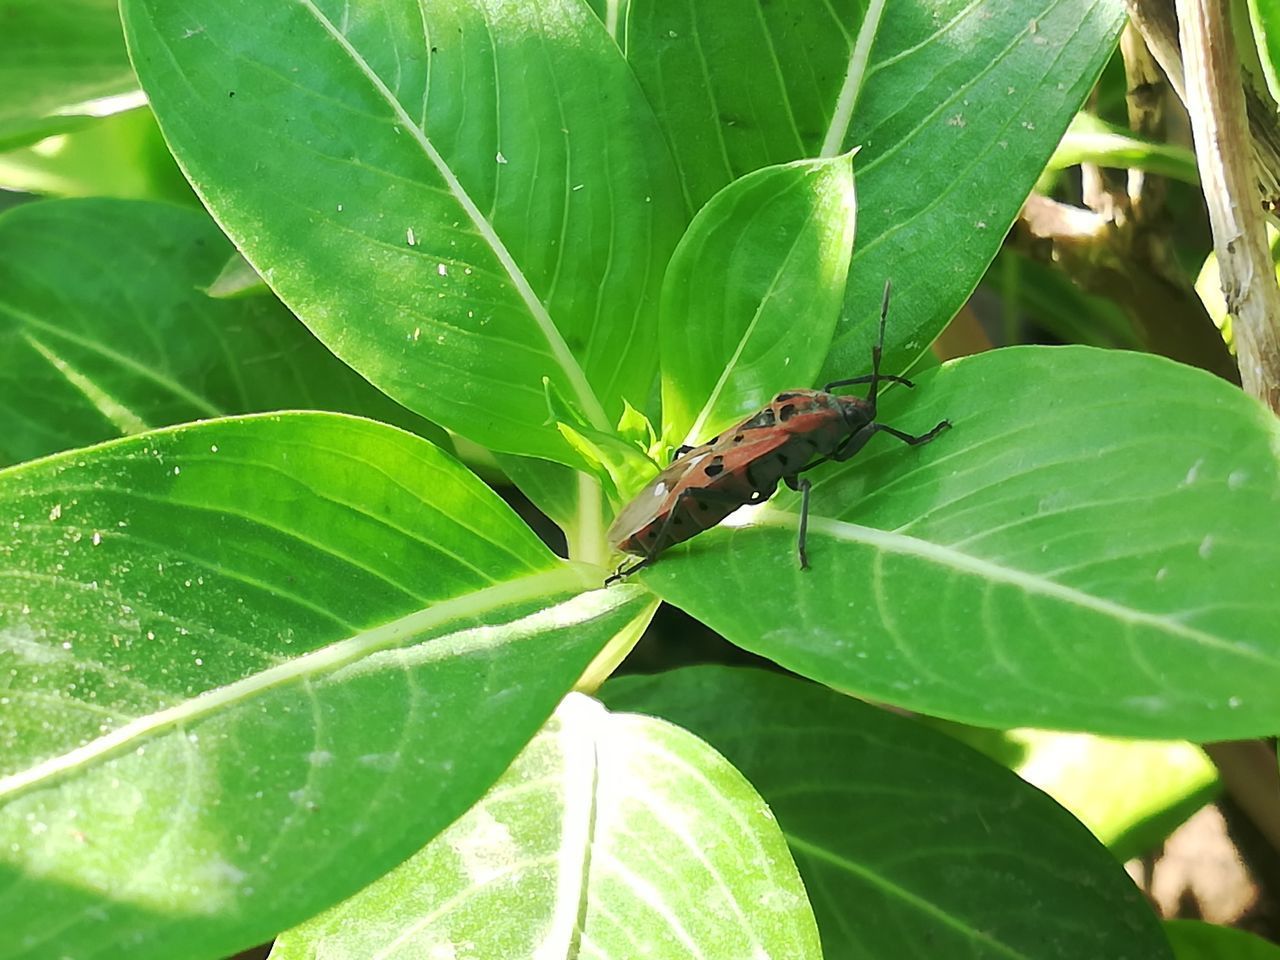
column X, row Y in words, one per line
column 798, row 431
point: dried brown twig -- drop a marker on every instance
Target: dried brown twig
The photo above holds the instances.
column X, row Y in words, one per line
column 1215, row 100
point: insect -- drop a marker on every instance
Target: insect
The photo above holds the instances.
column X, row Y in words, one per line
column 796, row 432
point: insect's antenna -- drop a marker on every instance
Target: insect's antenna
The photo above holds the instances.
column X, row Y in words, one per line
column 878, row 348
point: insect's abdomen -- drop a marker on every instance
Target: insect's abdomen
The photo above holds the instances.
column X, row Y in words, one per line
column 690, row 516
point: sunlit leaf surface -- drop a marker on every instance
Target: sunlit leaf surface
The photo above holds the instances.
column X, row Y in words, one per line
column 611, row 836
column 461, row 200
column 243, row 668
column 1089, row 547
column 105, row 330
column 956, row 104
column 910, row 844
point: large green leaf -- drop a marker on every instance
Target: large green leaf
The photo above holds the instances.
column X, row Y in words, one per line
column 1264, row 18
column 1131, row 794
column 55, row 56
column 910, row 844
column 957, row 104
column 1196, row 940
column 1090, row 139
column 462, row 199
column 244, row 664
column 1090, row 547
column 121, row 155
column 610, row 836
column 105, row 330
column 752, row 294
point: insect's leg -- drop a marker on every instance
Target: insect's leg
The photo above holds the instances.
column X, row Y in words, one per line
column 856, row 441
column 867, row 379
column 853, row 443
column 877, row 350
column 625, row 571
column 914, row 440
column 803, row 485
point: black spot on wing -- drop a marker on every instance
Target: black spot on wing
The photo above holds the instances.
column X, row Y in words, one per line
column 787, row 412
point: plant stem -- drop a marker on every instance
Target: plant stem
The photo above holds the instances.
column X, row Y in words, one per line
column 1220, row 128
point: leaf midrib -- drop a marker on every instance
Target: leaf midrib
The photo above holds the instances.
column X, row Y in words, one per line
column 855, row 74
column 900, row 893
column 326, row 660
column 944, row 556
column 583, row 392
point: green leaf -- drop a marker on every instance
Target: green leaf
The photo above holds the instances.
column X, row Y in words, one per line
column 460, row 201
column 55, row 57
column 1264, row 18
column 1088, row 548
column 909, row 843
column 610, row 836
column 22, row 133
column 104, row 331
column 556, row 490
column 1090, row 139
column 121, row 155
column 244, row 665
column 616, row 462
column 957, row 105
column 1196, row 940
column 752, row 294
column 237, row 278
column 1131, row 794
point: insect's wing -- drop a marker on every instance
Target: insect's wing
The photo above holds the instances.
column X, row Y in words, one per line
column 656, row 498
column 737, row 457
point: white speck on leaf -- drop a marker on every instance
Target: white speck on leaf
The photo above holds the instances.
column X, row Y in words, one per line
column 21, row 641
column 500, row 158
column 385, row 762
column 486, row 850
column 97, row 538
column 411, row 237
column 442, row 269
column 1206, row 546
column 1236, row 479
column 56, row 512
column 1193, row 473
column 176, row 471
